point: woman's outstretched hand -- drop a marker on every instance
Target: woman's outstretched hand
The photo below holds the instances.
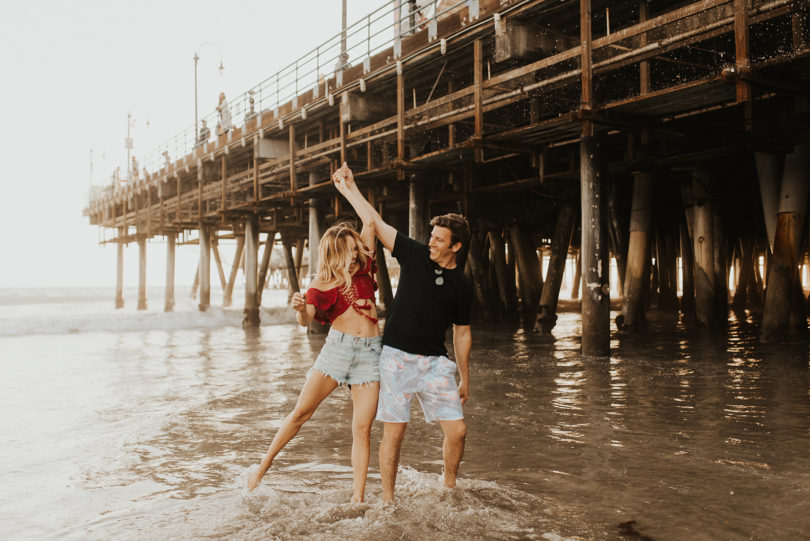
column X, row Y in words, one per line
column 298, row 302
column 343, row 179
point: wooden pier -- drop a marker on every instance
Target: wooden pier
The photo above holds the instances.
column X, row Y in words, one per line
column 675, row 130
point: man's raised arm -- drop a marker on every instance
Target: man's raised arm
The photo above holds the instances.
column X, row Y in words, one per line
column 344, row 181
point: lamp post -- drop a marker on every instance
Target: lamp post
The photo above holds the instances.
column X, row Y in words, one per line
column 128, row 142
column 221, row 71
column 128, row 145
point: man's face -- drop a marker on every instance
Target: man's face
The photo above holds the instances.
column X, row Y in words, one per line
column 440, row 246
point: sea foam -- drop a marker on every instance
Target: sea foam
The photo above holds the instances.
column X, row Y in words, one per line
column 63, row 312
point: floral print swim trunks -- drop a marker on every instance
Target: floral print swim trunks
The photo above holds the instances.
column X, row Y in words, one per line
column 430, row 378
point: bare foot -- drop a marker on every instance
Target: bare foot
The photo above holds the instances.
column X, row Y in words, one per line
column 356, row 499
column 254, row 479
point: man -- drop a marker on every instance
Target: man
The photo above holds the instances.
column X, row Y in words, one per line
column 433, row 294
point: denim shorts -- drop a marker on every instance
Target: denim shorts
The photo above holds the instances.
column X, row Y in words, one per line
column 350, row 360
column 430, row 378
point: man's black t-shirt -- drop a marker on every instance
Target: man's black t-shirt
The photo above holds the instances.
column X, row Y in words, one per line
column 422, row 310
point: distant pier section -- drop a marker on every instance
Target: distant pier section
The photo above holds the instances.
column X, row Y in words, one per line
column 670, row 137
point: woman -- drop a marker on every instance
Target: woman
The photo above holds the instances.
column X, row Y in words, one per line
column 343, row 294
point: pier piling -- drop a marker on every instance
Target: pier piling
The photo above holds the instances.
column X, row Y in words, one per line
column 529, row 279
column 560, row 243
column 141, row 272
column 171, row 249
column 119, row 274
column 205, row 267
column 703, row 249
column 632, row 318
column 251, row 309
column 595, row 263
column 782, row 277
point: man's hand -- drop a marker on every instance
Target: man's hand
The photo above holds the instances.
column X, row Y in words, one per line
column 464, row 391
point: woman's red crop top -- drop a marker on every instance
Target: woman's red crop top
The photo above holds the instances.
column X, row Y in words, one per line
column 330, row 304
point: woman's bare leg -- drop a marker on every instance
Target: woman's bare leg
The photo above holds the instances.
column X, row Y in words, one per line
column 364, row 398
column 316, row 388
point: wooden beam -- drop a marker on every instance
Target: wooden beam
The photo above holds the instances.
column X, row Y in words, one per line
column 478, row 99
column 742, row 43
column 215, row 249
column 237, row 258
column 645, row 74
column 293, row 183
column 222, row 207
column 586, row 66
column 400, row 122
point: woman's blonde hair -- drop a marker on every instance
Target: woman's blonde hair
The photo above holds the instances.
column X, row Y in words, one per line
column 334, row 257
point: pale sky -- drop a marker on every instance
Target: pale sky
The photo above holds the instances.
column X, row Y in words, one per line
column 71, row 73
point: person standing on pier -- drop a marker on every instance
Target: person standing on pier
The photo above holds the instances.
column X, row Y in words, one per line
column 224, row 111
column 342, row 293
column 432, row 295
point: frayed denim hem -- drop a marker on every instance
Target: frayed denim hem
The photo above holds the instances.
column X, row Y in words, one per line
column 363, row 383
column 324, row 374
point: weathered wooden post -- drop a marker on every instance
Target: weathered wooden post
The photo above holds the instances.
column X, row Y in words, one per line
column 479, row 279
column 769, row 174
column 251, row 310
column 594, row 245
column 218, row 261
column 505, row 279
column 268, row 252
column 417, row 209
column 314, row 235
column 560, row 243
column 141, row 272
column 119, row 274
column 227, row 296
column 720, row 271
column 618, row 233
column 688, row 275
column 746, row 284
column 171, row 244
column 665, row 257
column 195, row 285
column 386, row 293
column 703, row 250
column 595, row 264
column 638, row 260
column 299, row 256
column 529, row 278
column 576, row 286
column 205, row 267
column 292, row 276
column 783, row 265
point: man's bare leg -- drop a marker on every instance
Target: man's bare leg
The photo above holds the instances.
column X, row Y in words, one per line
column 455, row 433
column 316, row 388
column 389, row 457
column 364, row 398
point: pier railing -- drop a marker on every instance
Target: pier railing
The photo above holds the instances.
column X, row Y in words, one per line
column 384, row 27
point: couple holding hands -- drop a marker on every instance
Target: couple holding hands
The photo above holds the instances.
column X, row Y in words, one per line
column 385, row 372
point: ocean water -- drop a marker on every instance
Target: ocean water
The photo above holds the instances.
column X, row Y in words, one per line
column 145, row 425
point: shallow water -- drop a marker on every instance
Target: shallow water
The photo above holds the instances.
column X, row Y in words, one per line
column 151, row 433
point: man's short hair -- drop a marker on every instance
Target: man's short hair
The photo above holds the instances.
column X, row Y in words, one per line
column 458, row 226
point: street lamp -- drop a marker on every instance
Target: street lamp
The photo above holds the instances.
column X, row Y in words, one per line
column 128, row 143
column 221, row 71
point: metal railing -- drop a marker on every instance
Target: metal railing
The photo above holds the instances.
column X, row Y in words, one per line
column 380, row 29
